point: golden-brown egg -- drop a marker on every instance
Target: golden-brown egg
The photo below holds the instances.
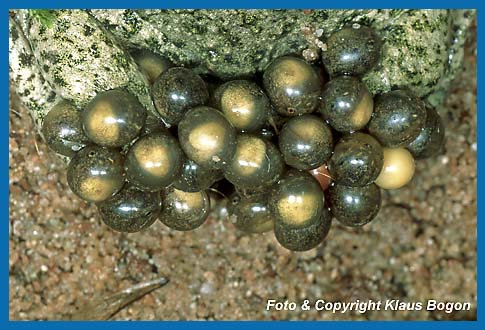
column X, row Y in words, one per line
column 207, row 137
column 244, row 104
column 96, row 173
column 154, row 161
column 113, row 118
column 398, row 168
column 293, row 85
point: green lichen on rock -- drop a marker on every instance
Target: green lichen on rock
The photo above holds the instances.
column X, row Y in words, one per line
column 46, row 17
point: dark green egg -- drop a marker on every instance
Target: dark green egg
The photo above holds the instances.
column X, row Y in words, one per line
column 346, row 104
column 96, row 173
column 301, row 219
column 62, row 129
column 244, row 104
column 398, row 118
column 207, row 137
column 353, row 50
column 176, row 91
column 357, row 160
column 430, row 140
column 154, row 161
column 113, row 118
column 250, row 215
column 306, row 142
column 130, row 210
column 152, row 65
column 256, row 163
column 195, row 178
column 184, row 210
column 354, row 206
column 297, row 199
column 303, row 238
column 293, row 85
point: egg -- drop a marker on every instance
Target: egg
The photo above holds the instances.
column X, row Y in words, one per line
column 397, row 170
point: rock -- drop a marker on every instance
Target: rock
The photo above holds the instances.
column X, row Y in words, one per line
column 422, row 47
column 81, row 52
column 34, row 91
column 75, row 57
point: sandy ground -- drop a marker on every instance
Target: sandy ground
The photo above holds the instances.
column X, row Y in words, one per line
column 422, row 245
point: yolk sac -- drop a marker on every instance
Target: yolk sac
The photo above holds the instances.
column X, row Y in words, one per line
column 398, row 168
column 154, row 161
column 256, row 163
column 207, row 137
column 293, row 85
column 176, row 91
column 113, row 118
column 152, row 64
column 96, row 173
column 244, row 104
column 301, row 219
column 131, row 210
column 184, row 210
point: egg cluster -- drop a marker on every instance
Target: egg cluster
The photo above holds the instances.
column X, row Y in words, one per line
column 292, row 150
